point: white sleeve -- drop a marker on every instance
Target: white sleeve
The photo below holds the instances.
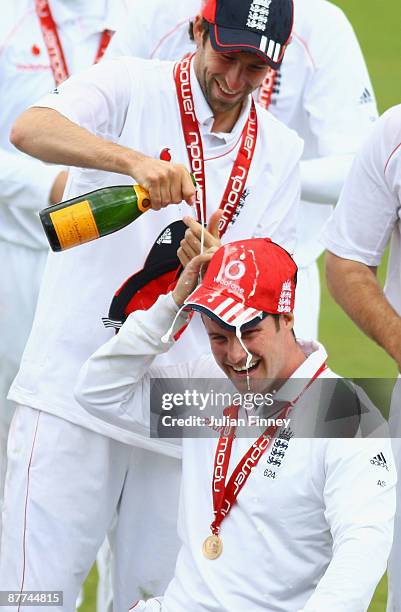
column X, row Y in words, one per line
column 24, row 181
column 359, row 497
column 135, row 36
column 113, row 384
column 96, row 99
column 363, row 221
column 339, row 96
column 323, row 178
column 286, row 198
column 154, row 29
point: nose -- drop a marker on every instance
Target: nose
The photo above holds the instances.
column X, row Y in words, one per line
column 235, row 77
column 236, row 355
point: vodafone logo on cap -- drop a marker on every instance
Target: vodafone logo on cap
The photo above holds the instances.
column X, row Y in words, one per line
column 235, row 270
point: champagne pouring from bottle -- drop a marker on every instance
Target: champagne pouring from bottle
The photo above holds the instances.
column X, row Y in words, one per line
column 94, row 215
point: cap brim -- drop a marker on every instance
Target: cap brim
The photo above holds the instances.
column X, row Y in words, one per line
column 222, row 308
column 230, row 40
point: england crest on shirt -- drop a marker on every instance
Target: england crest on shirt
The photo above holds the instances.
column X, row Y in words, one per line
column 279, row 448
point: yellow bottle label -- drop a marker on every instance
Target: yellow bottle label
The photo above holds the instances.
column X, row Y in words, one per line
column 143, row 198
column 75, row 224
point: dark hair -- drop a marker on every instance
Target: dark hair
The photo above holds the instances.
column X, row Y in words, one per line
column 206, row 28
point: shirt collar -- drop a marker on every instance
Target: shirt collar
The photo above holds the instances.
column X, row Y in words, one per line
column 316, row 356
column 204, row 113
column 99, row 14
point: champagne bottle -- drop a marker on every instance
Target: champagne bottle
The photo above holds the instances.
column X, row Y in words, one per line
column 93, row 215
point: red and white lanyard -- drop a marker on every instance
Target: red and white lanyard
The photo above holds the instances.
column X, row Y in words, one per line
column 225, row 496
column 52, row 41
column 193, row 140
column 266, row 90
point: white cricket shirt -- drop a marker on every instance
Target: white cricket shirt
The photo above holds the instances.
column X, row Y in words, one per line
column 312, row 533
column 25, row 74
column 133, row 102
column 368, row 213
column 323, row 91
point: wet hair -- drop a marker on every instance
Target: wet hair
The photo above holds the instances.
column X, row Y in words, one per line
column 206, row 28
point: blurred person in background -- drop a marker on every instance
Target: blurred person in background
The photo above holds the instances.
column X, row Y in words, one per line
column 41, row 43
column 365, row 221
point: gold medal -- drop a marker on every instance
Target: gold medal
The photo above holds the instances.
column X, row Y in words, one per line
column 212, row 547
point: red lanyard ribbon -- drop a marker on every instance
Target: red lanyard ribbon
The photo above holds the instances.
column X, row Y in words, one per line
column 193, row 140
column 53, row 44
column 225, row 496
column 266, row 90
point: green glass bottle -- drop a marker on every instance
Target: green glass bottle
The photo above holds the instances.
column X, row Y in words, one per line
column 93, row 215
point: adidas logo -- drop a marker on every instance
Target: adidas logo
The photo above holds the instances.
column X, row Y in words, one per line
column 166, row 237
column 366, row 97
column 380, row 461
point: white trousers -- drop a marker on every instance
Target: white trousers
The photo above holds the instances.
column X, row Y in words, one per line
column 64, row 484
column 21, row 275
column 394, row 563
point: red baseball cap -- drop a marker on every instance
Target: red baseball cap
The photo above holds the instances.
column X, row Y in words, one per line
column 244, row 281
column 256, row 26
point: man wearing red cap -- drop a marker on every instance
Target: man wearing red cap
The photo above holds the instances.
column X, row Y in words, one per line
column 110, row 124
column 287, row 519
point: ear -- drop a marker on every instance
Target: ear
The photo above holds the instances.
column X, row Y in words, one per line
column 198, row 30
column 288, row 320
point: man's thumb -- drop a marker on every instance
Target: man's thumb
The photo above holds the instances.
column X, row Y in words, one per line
column 213, row 225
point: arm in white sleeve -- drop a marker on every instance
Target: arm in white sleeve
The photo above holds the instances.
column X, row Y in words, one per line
column 25, row 182
column 359, row 497
column 339, row 102
column 323, row 178
column 115, row 378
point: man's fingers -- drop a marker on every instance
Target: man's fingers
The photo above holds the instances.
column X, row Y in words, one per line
column 196, row 230
column 194, row 226
column 166, row 183
column 187, row 187
column 192, row 241
column 188, row 250
column 184, row 259
column 155, row 197
column 213, row 225
column 201, row 260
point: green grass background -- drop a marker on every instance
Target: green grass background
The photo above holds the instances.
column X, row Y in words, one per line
column 378, row 26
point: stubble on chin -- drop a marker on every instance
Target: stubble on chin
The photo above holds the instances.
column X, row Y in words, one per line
column 219, row 106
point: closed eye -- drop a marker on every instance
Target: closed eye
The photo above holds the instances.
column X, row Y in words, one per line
column 217, row 338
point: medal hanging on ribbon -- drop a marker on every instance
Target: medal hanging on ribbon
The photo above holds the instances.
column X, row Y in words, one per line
column 193, row 140
column 224, row 496
column 52, row 41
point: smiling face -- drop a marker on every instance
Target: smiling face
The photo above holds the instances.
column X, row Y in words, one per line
column 226, row 79
column 275, row 353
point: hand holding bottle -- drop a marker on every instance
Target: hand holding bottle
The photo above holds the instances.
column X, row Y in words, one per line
column 166, row 182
